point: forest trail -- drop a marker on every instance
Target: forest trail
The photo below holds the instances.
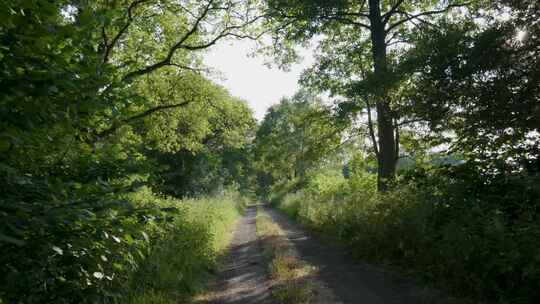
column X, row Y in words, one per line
column 349, row 280
column 243, row 279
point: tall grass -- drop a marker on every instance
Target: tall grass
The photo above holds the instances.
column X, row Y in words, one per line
column 183, row 254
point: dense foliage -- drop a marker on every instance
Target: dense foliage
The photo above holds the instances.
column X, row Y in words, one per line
column 118, row 250
column 183, row 252
column 360, row 43
column 293, row 136
column 99, row 100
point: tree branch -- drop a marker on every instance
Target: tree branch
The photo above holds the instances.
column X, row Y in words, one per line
column 406, row 122
column 181, row 44
column 227, row 31
column 416, row 19
column 346, row 20
column 426, row 13
column 386, row 17
column 371, row 130
column 110, row 46
column 173, row 49
column 148, row 112
column 192, row 69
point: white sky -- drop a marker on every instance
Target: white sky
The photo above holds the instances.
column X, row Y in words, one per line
column 249, row 79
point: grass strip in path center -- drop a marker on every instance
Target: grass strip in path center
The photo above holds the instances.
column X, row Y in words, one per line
column 294, row 280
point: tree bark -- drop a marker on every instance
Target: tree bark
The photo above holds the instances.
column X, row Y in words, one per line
column 386, row 158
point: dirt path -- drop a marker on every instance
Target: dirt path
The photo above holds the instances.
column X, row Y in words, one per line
column 243, row 279
column 350, row 281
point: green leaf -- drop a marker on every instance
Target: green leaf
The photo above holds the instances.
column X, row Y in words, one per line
column 129, row 240
column 118, row 266
column 145, row 236
column 58, row 250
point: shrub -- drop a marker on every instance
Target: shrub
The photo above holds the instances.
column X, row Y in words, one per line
column 65, row 242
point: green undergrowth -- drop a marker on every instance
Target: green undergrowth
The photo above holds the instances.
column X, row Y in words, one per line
column 184, row 254
column 475, row 239
column 92, row 245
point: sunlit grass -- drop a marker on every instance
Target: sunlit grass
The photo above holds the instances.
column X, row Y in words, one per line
column 182, row 262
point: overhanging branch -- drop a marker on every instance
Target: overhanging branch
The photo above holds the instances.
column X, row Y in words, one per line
column 346, row 21
column 167, row 60
column 123, row 29
column 148, row 112
column 227, row 31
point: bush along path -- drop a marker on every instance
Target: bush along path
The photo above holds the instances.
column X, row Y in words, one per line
column 183, row 251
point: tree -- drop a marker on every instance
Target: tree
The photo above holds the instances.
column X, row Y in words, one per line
column 200, row 147
column 295, row 135
column 361, row 40
column 79, row 70
column 151, row 35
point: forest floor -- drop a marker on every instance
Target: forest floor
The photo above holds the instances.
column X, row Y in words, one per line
column 245, row 280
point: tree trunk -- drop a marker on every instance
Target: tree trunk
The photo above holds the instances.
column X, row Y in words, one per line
column 386, row 158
